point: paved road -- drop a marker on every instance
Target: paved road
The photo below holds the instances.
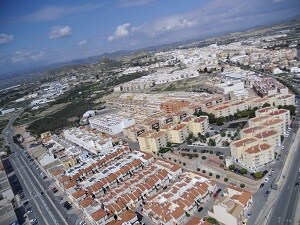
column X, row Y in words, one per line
column 260, row 199
column 44, row 206
column 284, row 210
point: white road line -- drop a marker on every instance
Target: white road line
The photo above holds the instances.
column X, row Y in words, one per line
column 58, row 212
column 35, row 202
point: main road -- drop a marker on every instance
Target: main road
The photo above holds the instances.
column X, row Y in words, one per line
column 45, row 207
column 285, row 207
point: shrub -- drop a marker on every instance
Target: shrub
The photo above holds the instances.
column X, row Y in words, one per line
column 243, row 171
column 231, row 167
column 258, row 175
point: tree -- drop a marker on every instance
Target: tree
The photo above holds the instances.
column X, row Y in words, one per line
column 225, row 179
column 198, row 169
column 229, row 135
column 258, row 175
column 265, row 105
column 203, row 157
column 211, row 142
column 225, row 143
column 218, row 176
column 242, row 185
column 195, row 150
column 189, row 142
column 212, row 221
column 184, row 164
column 169, row 144
column 207, row 135
column 203, row 171
column 210, row 174
column 223, row 134
column 231, row 167
column 243, row 171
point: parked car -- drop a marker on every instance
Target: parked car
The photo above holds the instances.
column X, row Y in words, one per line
column 261, row 185
column 297, row 184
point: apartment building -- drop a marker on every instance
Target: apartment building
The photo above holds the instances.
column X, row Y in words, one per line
column 110, row 124
column 88, row 139
column 177, row 133
column 173, row 105
column 232, row 207
column 256, row 156
column 288, row 99
column 133, row 132
column 196, row 125
column 152, row 141
column 275, row 113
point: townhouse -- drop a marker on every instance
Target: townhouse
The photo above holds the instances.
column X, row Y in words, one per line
column 232, row 207
column 180, row 200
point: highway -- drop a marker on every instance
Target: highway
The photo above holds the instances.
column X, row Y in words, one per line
column 46, row 208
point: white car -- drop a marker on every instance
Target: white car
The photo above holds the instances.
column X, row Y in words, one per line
column 266, row 180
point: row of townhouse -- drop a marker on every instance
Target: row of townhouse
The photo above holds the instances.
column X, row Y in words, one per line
column 234, row 106
column 261, row 139
column 180, row 200
column 152, row 141
column 232, row 207
column 127, row 193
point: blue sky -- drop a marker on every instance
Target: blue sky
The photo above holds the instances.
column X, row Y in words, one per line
column 39, row 32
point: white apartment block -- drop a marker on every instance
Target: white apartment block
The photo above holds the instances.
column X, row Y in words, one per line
column 111, row 124
column 88, row 140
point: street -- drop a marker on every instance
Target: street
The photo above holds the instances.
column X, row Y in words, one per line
column 45, row 208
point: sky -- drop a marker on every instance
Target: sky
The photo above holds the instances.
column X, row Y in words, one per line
column 35, row 33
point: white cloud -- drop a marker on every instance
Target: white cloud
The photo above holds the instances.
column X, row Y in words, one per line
column 26, row 56
column 59, row 32
column 56, row 12
column 170, row 24
column 121, row 31
column 132, row 3
column 81, row 43
column 5, row 38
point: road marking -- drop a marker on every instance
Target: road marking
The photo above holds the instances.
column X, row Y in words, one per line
column 58, row 212
column 31, row 196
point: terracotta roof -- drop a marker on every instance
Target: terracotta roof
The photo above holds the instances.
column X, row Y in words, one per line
column 266, row 133
column 178, row 212
column 243, row 141
column 243, row 198
column 200, row 119
column 57, row 172
column 128, row 216
column 69, row 185
column 98, row 215
column 86, row 202
column 258, row 148
column 78, row 194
